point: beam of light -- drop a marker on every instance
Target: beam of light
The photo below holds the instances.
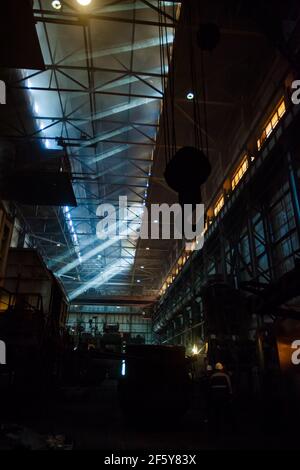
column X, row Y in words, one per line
column 123, row 81
column 103, row 246
column 126, row 81
column 108, row 170
column 109, row 153
column 123, row 107
column 106, row 135
column 123, row 48
column 90, row 254
column 100, row 279
column 61, row 258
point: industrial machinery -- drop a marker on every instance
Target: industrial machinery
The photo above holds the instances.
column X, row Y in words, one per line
column 33, row 311
column 155, row 384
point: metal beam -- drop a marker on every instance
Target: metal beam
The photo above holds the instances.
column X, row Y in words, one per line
column 105, row 70
column 87, row 91
column 130, row 300
column 63, row 17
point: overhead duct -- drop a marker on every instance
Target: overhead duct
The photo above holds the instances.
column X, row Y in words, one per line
column 34, row 175
column 19, row 43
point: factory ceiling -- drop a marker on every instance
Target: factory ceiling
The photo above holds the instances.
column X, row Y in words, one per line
column 99, row 99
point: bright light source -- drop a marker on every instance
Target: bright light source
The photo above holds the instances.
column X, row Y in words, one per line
column 58, row 244
column 123, row 372
column 190, row 96
column 142, row 267
column 155, row 221
column 195, row 350
column 138, row 281
column 56, row 4
column 36, row 108
column 147, row 249
column 84, row 3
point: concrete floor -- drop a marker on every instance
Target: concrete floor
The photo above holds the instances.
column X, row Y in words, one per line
column 92, row 419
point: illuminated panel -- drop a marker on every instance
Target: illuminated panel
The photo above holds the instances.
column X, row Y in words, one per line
column 219, row 204
column 239, row 172
column 272, row 123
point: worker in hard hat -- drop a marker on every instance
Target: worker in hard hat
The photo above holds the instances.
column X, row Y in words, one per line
column 220, row 381
column 220, row 398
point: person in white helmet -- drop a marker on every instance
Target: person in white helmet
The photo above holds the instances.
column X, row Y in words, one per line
column 220, row 382
column 220, row 395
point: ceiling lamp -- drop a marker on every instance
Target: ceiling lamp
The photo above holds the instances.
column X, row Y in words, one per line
column 84, row 3
column 56, row 4
column 190, row 96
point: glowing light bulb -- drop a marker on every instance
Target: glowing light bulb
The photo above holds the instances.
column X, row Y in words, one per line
column 56, row 4
column 84, row 3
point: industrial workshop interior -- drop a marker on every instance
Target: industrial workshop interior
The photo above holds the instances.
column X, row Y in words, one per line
column 149, row 227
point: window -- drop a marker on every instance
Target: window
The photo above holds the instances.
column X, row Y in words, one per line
column 219, row 204
column 270, row 126
column 239, row 172
column 205, row 228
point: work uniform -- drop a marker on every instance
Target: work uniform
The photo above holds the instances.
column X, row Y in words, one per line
column 220, row 393
column 220, row 385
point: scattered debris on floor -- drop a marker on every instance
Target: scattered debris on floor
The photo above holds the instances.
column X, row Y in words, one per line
column 15, row 437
